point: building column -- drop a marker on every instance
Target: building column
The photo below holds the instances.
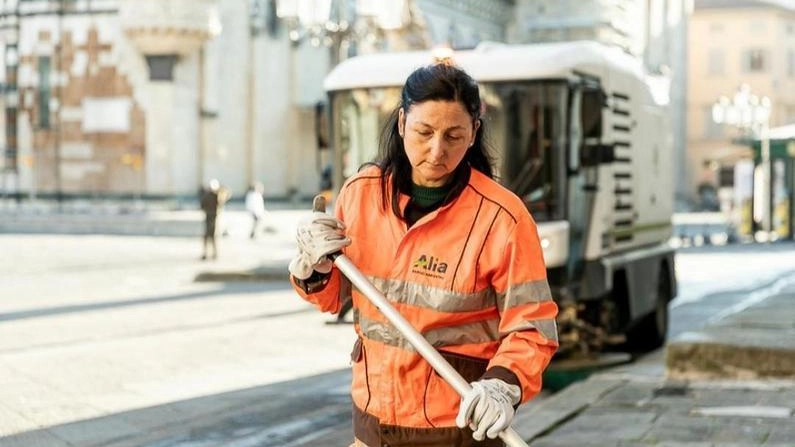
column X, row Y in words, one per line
column 169, row 34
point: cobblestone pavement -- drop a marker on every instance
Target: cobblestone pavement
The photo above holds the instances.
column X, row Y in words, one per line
column 731, row 403
column 614, row 410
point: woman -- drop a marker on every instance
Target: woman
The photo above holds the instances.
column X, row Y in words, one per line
column 457, row 255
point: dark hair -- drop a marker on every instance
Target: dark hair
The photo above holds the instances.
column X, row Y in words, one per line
column 439, row 82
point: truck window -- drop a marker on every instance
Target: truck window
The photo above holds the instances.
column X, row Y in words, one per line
column 358, row 117
column 526, row 125
column 591, row 106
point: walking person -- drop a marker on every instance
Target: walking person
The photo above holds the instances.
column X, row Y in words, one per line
column 456, row 254
column 212, row 201
column 255, row 205
column 326, row 183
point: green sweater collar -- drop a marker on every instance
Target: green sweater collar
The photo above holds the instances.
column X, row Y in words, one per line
column 425, row 196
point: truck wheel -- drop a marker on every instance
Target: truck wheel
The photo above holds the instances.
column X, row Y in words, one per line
column 649, row 334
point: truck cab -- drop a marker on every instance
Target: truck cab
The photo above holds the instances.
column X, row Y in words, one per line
column 580, row 133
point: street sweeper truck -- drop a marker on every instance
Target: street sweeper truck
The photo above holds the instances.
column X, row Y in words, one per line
column 581, row 134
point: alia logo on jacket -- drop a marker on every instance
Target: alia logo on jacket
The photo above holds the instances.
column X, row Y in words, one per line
column 429, row 266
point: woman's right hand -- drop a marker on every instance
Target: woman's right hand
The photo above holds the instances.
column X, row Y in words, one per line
column 317, row 237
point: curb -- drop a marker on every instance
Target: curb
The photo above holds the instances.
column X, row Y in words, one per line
column 258, row 274
column 563, row 406
column 705, row 356
column 753, row 340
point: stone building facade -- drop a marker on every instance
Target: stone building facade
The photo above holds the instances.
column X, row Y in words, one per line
column 153, row 98
column 734, row 42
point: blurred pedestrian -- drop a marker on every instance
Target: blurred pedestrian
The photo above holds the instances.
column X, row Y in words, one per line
column 212, row 200
column 326, row 184
column 255, row 205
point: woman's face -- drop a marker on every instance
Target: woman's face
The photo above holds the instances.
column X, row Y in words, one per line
column 436, row 136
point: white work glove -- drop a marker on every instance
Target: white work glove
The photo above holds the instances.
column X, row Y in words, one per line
column 488, row 407
column 320, row 235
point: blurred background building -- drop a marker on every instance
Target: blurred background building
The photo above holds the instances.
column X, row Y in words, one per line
column 734, row 43
column 151, row 98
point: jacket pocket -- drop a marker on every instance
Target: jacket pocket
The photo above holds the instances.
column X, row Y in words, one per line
column 360, row 388
column 440, row 401
column 356, row 352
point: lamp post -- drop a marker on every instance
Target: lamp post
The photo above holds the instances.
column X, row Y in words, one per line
column 334, row 24
column 750, row 112
column 57, row 131
column 345, row 27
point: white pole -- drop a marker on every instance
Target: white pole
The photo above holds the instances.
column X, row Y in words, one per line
column 767, row 169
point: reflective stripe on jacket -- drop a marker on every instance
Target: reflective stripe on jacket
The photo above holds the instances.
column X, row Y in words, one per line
column 469, row 276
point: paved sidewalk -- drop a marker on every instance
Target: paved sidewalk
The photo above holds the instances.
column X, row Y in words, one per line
column 240, row 258
column 718, row 389
column 138, row 219
column 626, row 409
column 106, row 339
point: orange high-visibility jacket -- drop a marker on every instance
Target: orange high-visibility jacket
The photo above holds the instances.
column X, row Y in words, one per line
column 469, row 276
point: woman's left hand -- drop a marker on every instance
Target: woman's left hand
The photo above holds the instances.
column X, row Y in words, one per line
column 488, row 408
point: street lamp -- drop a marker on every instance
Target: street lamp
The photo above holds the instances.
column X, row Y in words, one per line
column 325, row 21
column 750, row 112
